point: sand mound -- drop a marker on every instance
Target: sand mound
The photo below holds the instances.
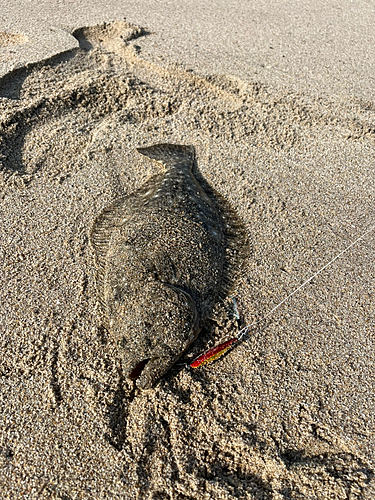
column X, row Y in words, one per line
column 288, row 414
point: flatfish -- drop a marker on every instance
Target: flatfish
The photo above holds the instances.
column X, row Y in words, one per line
column 165, row 255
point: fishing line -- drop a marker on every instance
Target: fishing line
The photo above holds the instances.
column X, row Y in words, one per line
column 216, row 352
column 245, row 329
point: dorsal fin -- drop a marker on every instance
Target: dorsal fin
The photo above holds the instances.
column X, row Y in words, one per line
column 237, row 241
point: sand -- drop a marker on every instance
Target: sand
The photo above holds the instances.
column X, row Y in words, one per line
column 289, row 413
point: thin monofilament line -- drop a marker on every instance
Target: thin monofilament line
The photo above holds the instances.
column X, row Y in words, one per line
column 245, row 329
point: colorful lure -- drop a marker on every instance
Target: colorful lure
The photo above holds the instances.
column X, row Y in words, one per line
column 213, row 353
column 216, row 352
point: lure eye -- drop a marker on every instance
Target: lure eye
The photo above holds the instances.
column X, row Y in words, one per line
column 136, row 372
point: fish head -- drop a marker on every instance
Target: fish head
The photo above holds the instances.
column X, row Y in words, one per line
column 153, row 334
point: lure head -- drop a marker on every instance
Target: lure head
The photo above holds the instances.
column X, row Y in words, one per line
column 153, row 333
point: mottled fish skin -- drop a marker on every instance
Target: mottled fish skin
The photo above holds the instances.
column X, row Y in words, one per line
column 163, row 261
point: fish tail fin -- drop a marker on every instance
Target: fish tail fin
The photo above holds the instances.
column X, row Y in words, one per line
column 170, row 155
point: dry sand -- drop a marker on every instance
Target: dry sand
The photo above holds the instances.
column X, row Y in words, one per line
column 287, row 414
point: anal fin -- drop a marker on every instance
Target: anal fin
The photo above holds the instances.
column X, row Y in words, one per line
column 114, row 216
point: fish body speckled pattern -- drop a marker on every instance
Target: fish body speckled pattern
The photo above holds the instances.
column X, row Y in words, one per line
column 165, row 255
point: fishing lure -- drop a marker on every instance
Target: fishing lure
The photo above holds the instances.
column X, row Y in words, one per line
column 213, row 354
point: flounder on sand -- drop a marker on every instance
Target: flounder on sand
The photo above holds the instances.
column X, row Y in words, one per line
column 165, row 255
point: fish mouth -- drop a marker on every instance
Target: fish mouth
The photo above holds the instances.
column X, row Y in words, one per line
column 148, row 371
column 137, row 371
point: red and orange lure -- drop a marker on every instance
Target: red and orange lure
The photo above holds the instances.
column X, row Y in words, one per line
column 219, row 350
column 213, row 353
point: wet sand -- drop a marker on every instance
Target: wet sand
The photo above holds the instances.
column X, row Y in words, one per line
column 289, row 413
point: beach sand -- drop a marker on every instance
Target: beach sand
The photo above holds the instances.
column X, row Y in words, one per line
column 289, row 413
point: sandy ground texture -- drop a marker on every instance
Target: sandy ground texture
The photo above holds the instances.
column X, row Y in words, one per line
column 287, row 414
